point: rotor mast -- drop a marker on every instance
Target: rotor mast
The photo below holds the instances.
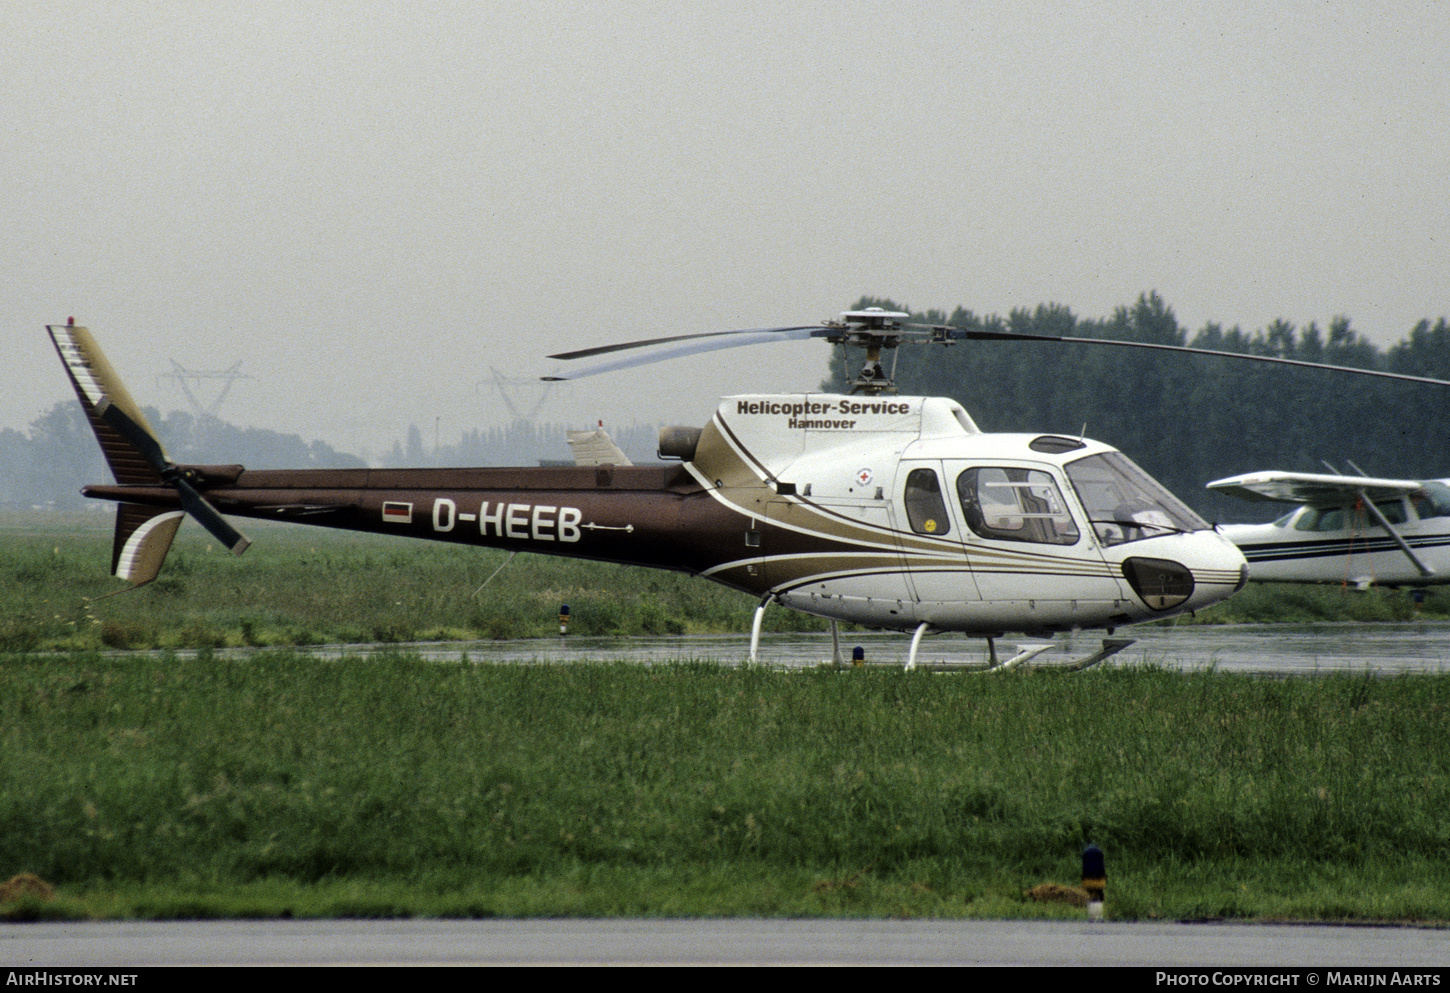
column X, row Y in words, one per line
column 872, row 329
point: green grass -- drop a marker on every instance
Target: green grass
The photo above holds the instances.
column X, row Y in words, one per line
column 307, row 586
column 163, row 786
column 301, row 586
column 157, row 786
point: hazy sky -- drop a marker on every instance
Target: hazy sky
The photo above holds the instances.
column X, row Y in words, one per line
column 373, row 205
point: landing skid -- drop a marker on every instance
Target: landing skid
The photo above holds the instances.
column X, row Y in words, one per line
column 1023, row 658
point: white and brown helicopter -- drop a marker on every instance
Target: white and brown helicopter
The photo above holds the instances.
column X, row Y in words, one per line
column 1353, row 530
column 888, row 511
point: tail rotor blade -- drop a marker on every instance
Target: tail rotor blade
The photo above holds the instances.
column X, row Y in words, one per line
column 208, row 517
column 141, row 439
column 191, row 501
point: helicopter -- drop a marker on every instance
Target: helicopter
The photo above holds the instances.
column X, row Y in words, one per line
column 1354, row 530
column 868, row 507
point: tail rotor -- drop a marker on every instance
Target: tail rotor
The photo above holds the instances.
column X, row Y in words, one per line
column 143, row 531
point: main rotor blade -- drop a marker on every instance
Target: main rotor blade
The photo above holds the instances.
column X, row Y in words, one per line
column 714, row 341
column 984, row 335
column 210, row 518
column 584, row 353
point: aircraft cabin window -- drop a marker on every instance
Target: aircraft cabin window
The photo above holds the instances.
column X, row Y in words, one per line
column 926, row 511
column 1339, row 518
column 1015, row 505
column 1320, row 519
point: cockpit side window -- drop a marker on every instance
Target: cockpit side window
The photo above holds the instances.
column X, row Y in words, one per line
column 1320, row 519
column 1012, row 504
column 926, row 511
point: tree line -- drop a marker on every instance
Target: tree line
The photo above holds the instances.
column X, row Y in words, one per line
column 1185, row 419
column 46, row 466
column 1190, row 419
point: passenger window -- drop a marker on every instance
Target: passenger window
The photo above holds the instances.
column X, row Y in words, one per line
column 926, row 511
column 1015, row 505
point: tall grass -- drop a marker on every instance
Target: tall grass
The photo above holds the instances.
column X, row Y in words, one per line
column 307, row 586
column 693, row 788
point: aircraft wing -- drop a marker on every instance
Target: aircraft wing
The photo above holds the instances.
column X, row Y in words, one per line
column 1314, row 489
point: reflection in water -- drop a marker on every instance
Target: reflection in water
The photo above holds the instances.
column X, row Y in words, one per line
column 1272, row 649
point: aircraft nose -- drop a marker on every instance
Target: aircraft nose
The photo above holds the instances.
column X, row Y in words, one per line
column 1197, row 573
column 1227, row 571
column 1160, row 583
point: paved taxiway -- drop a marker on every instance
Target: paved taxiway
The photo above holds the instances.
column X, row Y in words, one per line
column 718, row 942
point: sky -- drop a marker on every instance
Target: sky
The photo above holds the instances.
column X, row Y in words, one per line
column 391, row 213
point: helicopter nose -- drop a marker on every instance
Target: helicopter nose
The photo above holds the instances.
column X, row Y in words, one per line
column 1196, row 571
column 1223, row 572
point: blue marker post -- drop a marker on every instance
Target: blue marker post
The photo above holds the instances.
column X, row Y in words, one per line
column 564, row 619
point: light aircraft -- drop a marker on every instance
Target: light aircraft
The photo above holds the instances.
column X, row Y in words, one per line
column 1348, row 529
column 888, row 511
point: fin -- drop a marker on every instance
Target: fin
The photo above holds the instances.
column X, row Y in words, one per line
column 136, row 458
column 97, row 384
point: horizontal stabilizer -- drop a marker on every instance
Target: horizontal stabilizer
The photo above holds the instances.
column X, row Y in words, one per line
column 596, row 448
column 143, row 537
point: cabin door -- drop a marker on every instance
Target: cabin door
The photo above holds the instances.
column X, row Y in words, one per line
column 1028, row 550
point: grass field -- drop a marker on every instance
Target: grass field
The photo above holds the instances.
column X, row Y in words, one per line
column 153, row 785
column 307, row 586
column 302, row 586
column 156, row 785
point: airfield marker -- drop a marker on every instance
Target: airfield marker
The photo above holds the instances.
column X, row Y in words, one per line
column 1094, row 880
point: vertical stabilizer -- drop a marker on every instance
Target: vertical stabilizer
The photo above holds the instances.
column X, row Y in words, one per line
column 96, row 383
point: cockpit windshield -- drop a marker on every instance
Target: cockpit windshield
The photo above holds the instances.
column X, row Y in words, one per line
column 1124, row 503
column 1432, row 500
